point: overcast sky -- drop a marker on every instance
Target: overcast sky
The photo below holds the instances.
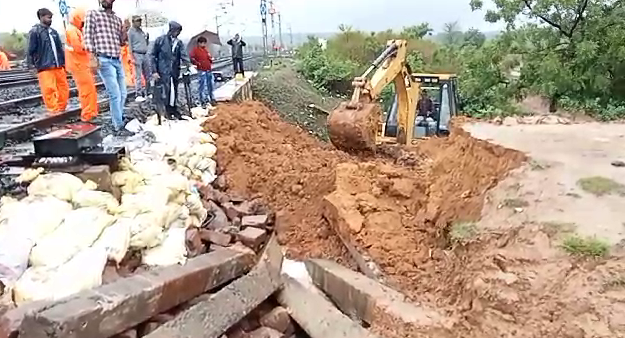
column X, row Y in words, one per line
column 304, row 16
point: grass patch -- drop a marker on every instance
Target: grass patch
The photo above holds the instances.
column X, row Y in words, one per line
column 555, row 228
column 515, row 203
column 463, row 232
column 538, row 166
column 599, row 186
column 585, row 246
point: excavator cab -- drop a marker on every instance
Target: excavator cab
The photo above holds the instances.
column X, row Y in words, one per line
column 442, row 89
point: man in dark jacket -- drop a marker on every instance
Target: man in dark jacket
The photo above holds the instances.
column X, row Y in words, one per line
column 168, row 55
column 46, row 55
column 237, row 54
column 425, row 107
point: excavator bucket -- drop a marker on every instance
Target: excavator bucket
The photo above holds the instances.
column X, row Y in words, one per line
column 354, row 129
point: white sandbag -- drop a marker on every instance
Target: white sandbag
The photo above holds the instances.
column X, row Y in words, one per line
column 115, row 239
column 93, row 198
column 146, row 230
column 147, row 199
column 59, row 185
column 14, row 252
column 29, row 175
column 82, row 272
column 172, row 251
column 195, row 206
column 79, row 230
column 36, row 217
column 129, row 181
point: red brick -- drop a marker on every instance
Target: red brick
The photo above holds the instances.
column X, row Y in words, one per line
column 252, row 237
column 116, row 307
column 228, row 306
column 265, row 332
column 258, row 221
column 277, row 319
column 215, row 237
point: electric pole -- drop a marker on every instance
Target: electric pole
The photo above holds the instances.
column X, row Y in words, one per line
column 272, row 12
column 263, row 21
column 290, row 36
column 280, row 32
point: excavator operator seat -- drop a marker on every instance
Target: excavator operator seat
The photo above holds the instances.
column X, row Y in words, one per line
column 442, row 90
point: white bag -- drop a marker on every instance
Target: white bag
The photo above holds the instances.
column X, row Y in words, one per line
column 59, row 185
column 172, row 251
column 115, row 239
column 79, row 230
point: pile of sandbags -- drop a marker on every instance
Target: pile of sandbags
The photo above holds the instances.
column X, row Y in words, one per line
column 59, row 239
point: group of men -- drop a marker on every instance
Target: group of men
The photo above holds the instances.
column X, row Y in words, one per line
column 94, row 40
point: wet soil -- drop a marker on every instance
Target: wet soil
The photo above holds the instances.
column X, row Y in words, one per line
column 400, row 207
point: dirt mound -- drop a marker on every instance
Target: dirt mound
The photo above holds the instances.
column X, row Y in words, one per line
column 261, row 154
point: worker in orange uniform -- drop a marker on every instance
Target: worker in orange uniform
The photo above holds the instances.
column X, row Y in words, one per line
column 4, row 61
column 45, row 54
column 77, row 63
column 127, row 61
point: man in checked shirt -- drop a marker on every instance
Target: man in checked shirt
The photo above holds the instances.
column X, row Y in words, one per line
column 103, row 38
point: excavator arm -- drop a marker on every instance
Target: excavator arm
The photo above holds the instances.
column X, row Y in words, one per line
column 354, row 125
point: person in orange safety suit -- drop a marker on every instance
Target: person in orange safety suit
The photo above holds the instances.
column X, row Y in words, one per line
column 127, row 60
column 77, row 63
column 45, row 55
column 4, row 61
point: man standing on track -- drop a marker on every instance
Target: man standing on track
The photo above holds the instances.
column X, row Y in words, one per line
column 237, row 54
column 168, row 55
column 78, row 66
column 45, row 54
column 203, row 60
column 104, row 37
column 138, row 41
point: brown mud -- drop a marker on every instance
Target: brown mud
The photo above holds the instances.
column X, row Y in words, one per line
column 399, row 208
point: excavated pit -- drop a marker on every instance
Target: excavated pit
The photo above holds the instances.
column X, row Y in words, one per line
column 397, row 206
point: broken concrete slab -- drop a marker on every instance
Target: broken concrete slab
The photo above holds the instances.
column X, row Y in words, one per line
column 371, row 301
column 252, row 237
column 101, row 176
column 212, row 317
column 116, row 307
column 11, row 321
column 316, row 315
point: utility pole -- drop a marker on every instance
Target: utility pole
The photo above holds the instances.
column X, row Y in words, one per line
column 217, row 24
column 263, row 21
column 280, row 32
column 290, row 37
column 272, row 12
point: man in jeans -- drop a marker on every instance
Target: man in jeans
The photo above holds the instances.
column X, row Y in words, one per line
column 138, row 41
column 202, row 59
column 103, row 38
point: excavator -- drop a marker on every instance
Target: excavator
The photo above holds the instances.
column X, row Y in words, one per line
column 358, row 125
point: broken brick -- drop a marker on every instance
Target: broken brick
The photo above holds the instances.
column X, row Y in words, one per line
column 211, row 194
column 194, row 244
column 220, row 183
column 277, row 319
column 221, row 220
column 258, row 221
column 216, row 237
column 265, row 332
column 126, row 303
column 147, row 328
column 252, row 237
column 237, row 210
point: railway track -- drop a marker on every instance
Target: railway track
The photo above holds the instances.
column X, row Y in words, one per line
column 21, row 77
column 43, row 120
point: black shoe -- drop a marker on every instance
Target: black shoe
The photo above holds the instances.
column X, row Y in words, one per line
column 214, row 103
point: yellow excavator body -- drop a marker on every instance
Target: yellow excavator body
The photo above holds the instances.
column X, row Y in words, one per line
column 357, row 125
